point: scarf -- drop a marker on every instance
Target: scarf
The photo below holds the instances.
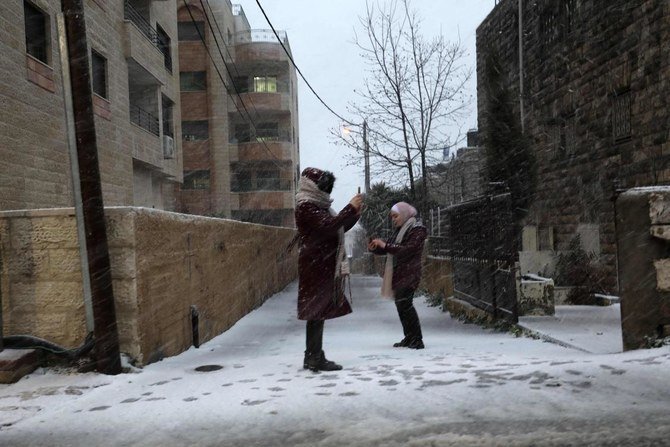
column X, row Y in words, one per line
column 309, row 192
column 387, row 283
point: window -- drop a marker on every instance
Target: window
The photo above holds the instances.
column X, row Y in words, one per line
column 195, row 130
column 621, row 128
column 242, row 133
column 164, row 46
column 196, row 180
column 268, row 180
column 193, row 81
column 240, row 181
column 37, row 37
column 241, row 84
column 265, row 84
column 168, row 112
column 190, row 30
column 99, row 74
column 267, row 132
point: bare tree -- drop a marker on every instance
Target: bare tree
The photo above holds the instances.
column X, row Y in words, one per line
column 413, row 94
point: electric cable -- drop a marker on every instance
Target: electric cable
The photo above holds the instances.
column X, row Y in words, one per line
column 202, row 39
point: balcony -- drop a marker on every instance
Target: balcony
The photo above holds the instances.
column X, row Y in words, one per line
column 262, row 102
column 259, row 151
column 143, row 45
column 262, row 185
column 260, row 45
column 262, row 200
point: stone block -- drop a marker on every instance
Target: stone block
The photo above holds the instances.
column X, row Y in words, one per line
column 16, row 363
column 536, row 296
column 662, row 267
column 659, row 208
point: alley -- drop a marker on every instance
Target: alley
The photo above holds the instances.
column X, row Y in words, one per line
column 470, row 386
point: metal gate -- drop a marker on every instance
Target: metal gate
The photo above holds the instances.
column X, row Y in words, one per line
column 482, row 242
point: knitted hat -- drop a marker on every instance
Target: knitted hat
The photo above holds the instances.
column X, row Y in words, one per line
column 324, row 180
column 313, row 174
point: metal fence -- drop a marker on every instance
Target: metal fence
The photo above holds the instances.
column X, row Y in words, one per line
column 144, row 119
column 481, row 239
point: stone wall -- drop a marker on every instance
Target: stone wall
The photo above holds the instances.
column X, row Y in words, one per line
column 162, row 264
column 437, row 277
column 596, row 83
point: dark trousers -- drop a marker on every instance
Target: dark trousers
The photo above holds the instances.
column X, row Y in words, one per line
column 314, row 339
column 408, row 317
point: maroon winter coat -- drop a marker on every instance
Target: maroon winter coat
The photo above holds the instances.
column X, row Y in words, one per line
column 406, row 257
column 317, row 230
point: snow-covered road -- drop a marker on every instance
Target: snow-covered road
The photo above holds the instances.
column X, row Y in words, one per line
column 470, row 386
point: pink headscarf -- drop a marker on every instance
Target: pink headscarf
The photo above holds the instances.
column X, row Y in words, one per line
column 404, row 209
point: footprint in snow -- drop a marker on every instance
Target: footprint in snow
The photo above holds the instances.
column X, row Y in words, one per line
column 104, row 407
column 349, row 393
column 250, row 403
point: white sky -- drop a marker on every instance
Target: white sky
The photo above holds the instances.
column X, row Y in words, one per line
column 321, row 35
column 466, row 379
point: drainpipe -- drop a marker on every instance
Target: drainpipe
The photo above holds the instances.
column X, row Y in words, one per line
column 521, row 112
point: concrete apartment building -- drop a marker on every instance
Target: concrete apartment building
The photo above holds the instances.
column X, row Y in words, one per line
column 239, row 117
column 594, row 87
column 136, row 101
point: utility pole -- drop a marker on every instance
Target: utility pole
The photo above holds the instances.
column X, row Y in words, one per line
column 108, row 358
column 366, row 149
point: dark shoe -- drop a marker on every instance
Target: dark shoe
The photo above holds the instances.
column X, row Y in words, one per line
column 402, row 343
column 318, row 362
column 416, row 343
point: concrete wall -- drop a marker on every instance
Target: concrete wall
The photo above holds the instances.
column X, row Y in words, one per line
column 162, row 263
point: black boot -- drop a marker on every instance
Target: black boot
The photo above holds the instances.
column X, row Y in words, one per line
column 402, row 343
column 318, row 362
column 415, row 343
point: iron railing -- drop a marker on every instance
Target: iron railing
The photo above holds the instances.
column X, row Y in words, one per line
column 144, row 119
column 480, row 237
column 259, row 35
column 260, row 184
column 141, row 23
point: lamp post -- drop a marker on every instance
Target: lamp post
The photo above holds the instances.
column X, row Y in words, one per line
column 366, row 151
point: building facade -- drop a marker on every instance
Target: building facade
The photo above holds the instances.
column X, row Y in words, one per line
column 135, row 96
column 239, row 116
column 592, row 78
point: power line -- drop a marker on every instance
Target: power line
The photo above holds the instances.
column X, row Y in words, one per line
column 300, row 72
column 202, row 39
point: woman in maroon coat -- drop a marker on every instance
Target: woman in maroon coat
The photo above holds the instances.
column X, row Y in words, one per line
column 402, row 272
column 321, row 235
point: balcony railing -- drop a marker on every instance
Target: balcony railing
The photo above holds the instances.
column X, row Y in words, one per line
column 269, row 184
column 244, row 137
column 141, row 23
column 144, row 119
column 259, row 35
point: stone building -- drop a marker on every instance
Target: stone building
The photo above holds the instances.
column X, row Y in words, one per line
column 461, row 177
column 592, row 78
column 135, row 96
column 239, row 116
